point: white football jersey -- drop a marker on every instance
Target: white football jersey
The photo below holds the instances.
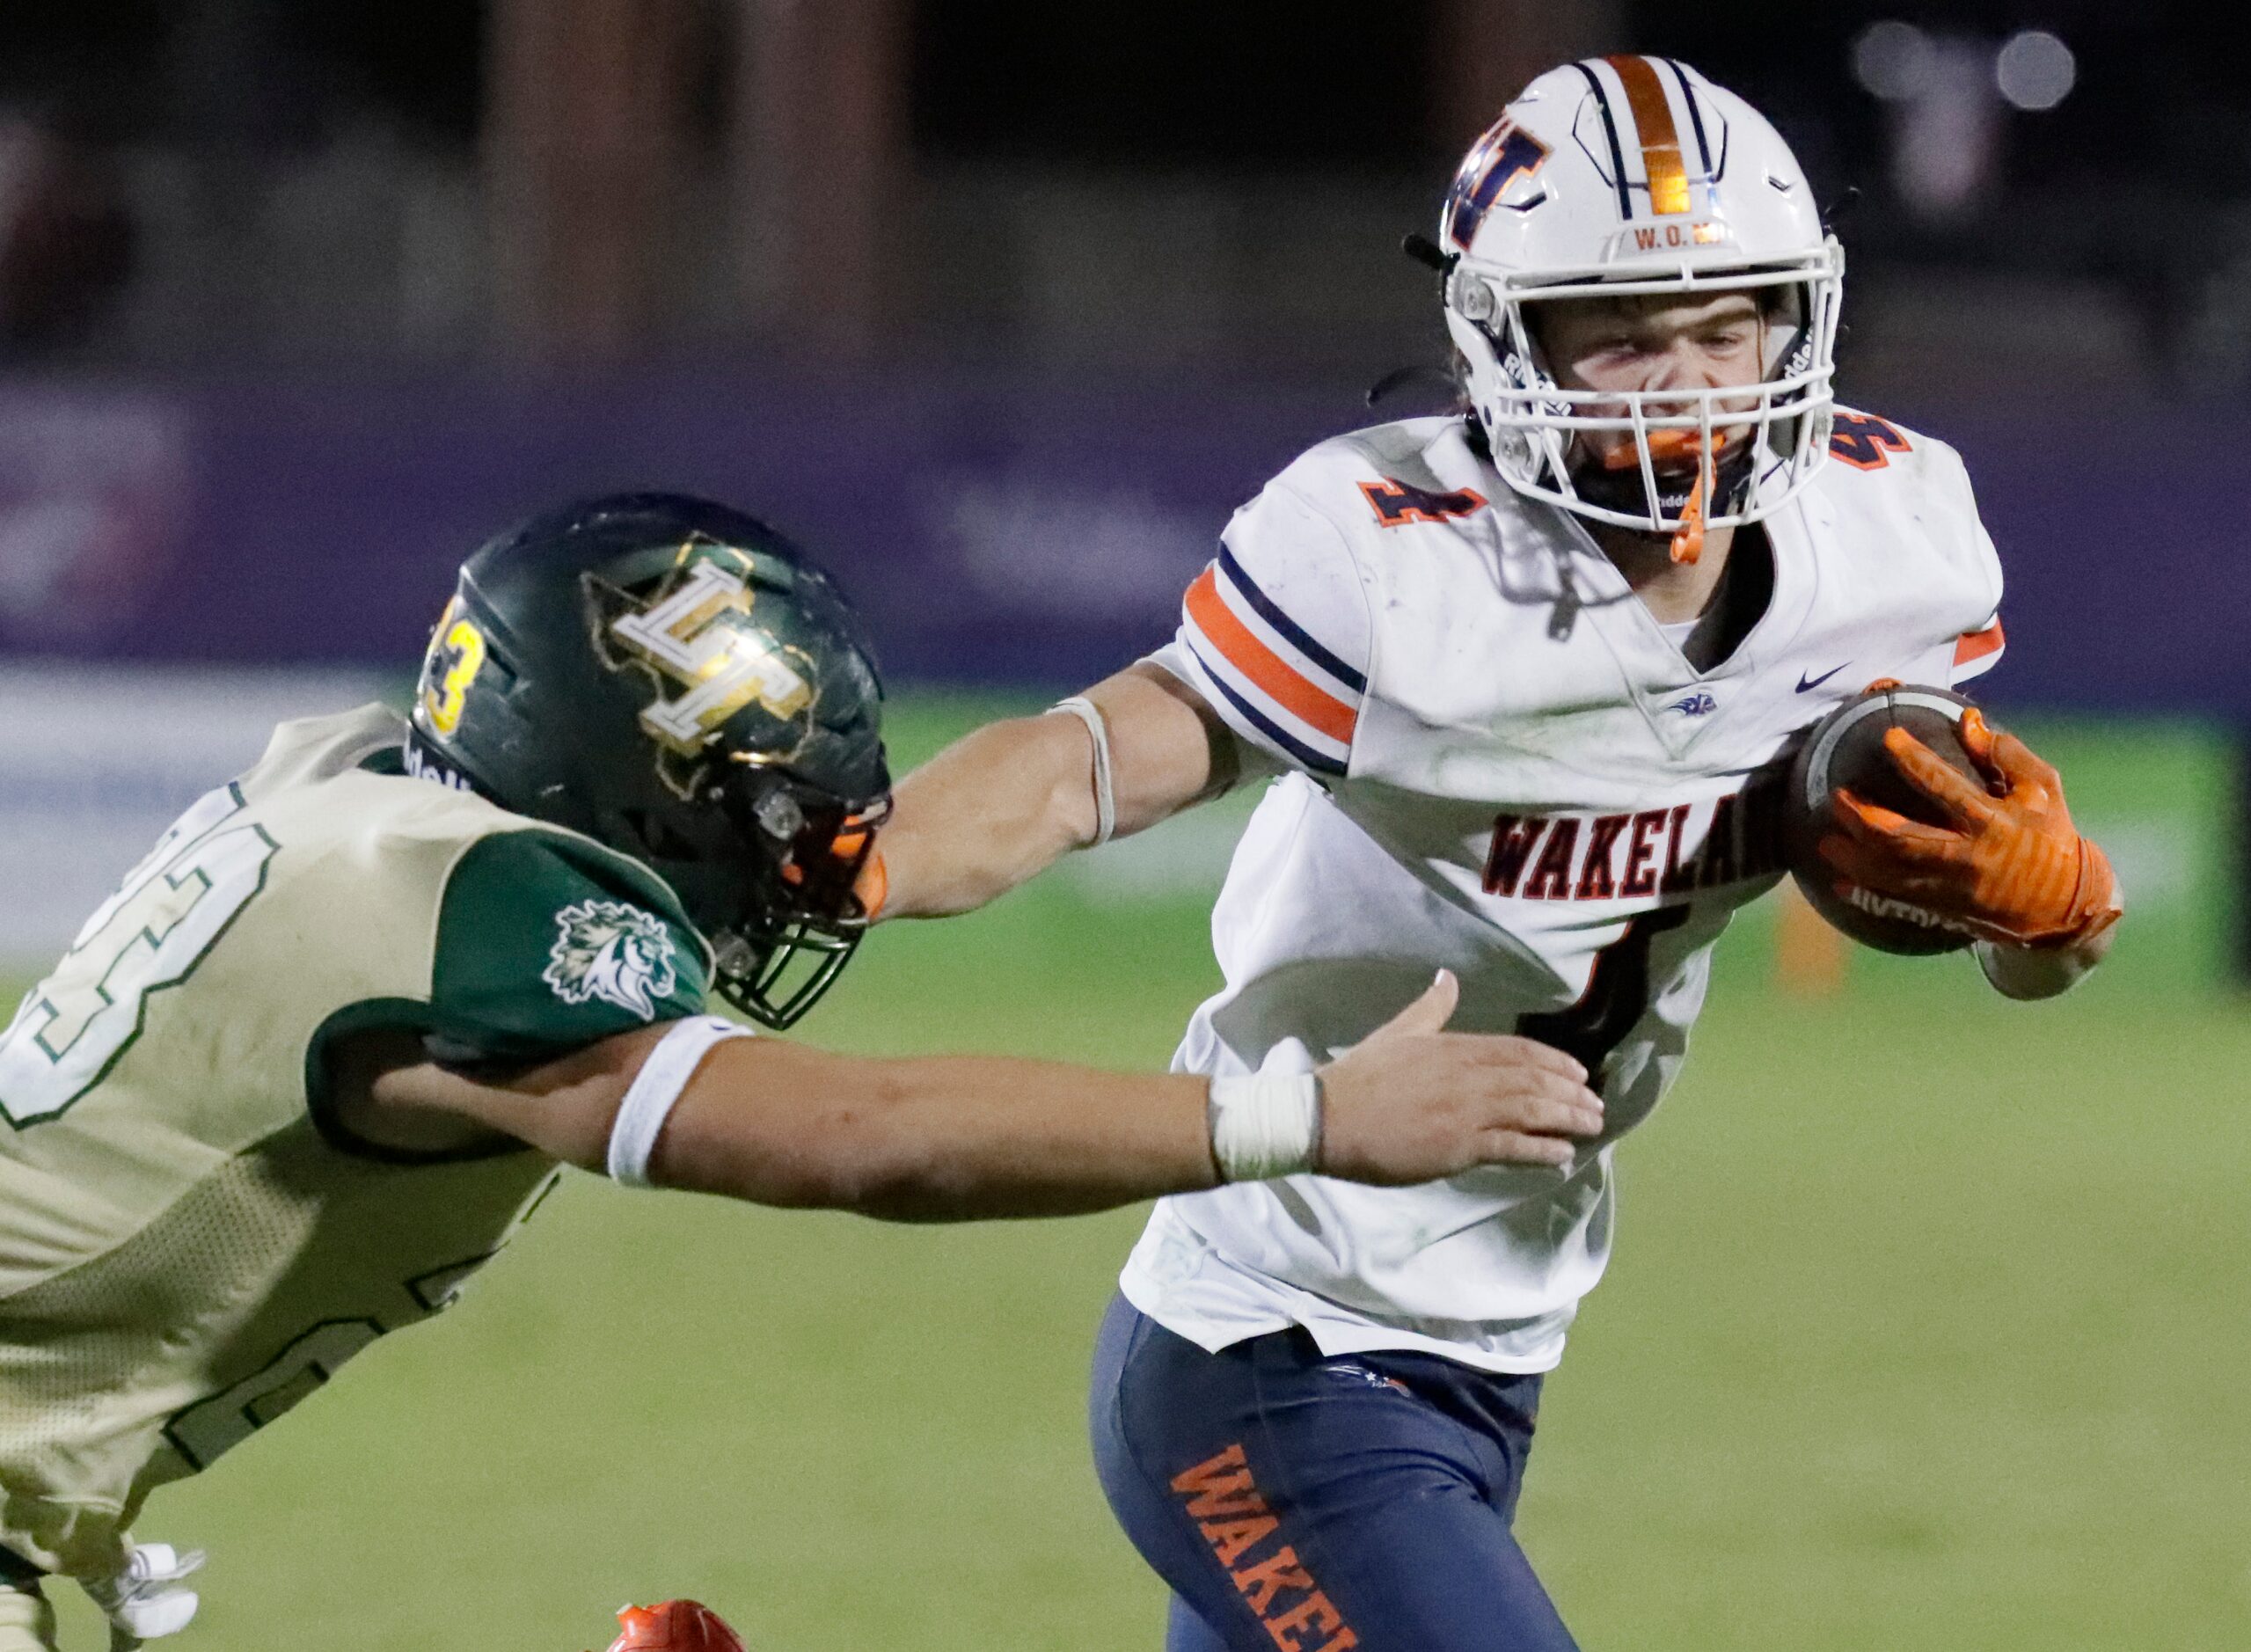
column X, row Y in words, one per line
column 1501, row 763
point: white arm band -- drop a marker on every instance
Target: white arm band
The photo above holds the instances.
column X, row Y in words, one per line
column 655, row 1091
column 1105, row 806
column 1266, row 1125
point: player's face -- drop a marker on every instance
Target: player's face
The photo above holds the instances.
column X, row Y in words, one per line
column 1655, row 343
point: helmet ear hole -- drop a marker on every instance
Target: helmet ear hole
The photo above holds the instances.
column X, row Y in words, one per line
column 1472, row 296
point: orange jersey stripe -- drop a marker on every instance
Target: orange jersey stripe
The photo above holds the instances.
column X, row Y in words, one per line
column 1645, row 95
column 1274, row 676
column 1976, row 645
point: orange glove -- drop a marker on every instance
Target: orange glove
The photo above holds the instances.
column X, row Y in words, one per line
column 2008, row 866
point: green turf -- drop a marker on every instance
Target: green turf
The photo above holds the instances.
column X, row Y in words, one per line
column 1927, row 1331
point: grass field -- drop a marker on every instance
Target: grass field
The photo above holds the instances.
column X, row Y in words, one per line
column 1928, row 1329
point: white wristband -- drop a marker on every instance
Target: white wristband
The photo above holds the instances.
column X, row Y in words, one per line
column 1265, row 1125
column 655, row 1091
column 1105, row 806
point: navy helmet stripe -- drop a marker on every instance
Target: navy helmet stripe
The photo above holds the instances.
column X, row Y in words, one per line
column 1318, row 760
column 1695, row 115
column 1271, row 612
column 1609, row 130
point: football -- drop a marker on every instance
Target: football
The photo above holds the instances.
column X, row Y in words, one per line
column 674, row 1625
column 1845, row 750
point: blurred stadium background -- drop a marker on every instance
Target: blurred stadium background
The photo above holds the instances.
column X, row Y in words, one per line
column 1927, row 1328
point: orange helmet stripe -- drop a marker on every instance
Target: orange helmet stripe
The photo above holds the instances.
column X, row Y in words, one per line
column 1645, row 95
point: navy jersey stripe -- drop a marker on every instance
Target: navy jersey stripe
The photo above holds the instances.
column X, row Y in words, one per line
column 1318, row 760
column 1609, row 130
column 1270, row 612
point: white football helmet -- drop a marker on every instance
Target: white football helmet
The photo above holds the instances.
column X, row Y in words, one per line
column 1631, row 175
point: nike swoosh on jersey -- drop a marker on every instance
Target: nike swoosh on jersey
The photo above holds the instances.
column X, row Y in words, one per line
column 1805, row 681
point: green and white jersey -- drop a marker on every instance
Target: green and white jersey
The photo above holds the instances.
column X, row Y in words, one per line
column 191, row 1240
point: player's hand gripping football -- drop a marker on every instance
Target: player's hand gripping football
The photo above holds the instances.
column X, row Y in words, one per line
column 2008, row 866
column 1415, row 1103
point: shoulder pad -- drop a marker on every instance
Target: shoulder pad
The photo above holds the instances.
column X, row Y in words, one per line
column 1390, row 475
column 548, row 941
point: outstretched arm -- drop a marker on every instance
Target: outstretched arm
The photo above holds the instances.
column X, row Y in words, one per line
column 1000, row 806
column 958, row 1137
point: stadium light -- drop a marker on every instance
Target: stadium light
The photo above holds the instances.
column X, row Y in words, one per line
column 2034, row 70
column 1892, row 60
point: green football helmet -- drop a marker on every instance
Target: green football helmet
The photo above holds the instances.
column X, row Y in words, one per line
column 674, row 679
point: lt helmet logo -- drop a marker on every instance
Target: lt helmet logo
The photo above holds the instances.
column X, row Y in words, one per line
column 693, row 635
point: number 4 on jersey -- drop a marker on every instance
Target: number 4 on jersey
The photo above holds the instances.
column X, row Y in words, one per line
column 1616, row 997
column 1864, row 441
column 169, row 912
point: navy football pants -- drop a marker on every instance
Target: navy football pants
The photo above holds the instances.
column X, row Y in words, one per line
column 1315, row 1504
